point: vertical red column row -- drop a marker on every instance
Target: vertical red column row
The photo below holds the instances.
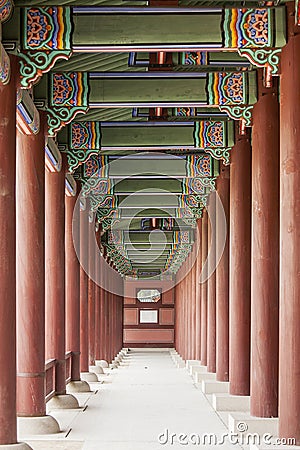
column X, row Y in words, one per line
column 8, row 420
column 91, row 290
column 222, row 276
column 193, row 300
column 197, row 292
column 72, row 285
column 265, row 254
column 30, row 195
column 204, row 247
column 188, row 305
column 289, row 304
column 84, row 304
column 72, row 273
column 211, row 286
column 97, row 297
column 55, row 283
column 240, row 264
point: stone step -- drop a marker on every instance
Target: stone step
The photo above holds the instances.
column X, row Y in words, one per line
column 214, row 387
column 227, row 402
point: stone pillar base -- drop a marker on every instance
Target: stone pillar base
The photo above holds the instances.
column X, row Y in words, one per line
column 179, row 362
column 114, row 365
column 65, row 401
column 37, row 425
column 102, row 363
column 89, row 377
column 227, row 402
column 200, row 376
column 96, row 369
column 18, row 446
column 214, row 387
column 77, row 386
column 118, row 359
column 191, row 362
column 197, row 369
column 250, row 424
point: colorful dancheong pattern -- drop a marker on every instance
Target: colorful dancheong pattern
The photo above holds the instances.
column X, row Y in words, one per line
column 227, row 88
column 210, row 133
column 69, row 89
column 194, row 58
column 106, row 201
column 47, row 28
column 96, row 165
column 4, row 66
column 115, row 237
column 6, row 9
column 187, row 201
column 193, row 186
column 86, row 135
column 181, row 237
column 247, row 28
column 185, row 112
column 199, row 165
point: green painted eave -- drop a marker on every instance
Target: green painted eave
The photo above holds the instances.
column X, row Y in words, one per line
column 134, row 185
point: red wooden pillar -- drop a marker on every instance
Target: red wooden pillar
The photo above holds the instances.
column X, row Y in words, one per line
column 177, row 317
column 84, row 291
column 8, row 420
column 30, row 194
column 72, row 285
column 112, row 333
column 101, row 324
column 102, row 309
column 289, row 307
column 176, row 330
column 185, row 320
column 182, row 318
column 198, row 292
column 240, row 267
column 121, row 299
column 115, row 326
column 84, row 255
column 72, row 273
column 187, row 323
column 97, row 299
column 179, row 313
column 204, row 289
column 120, row 321
column 120, row 308
column 188, row 302
column 55, row 283
column 91, row 290
column 211, row 286
column 55, row 274
column 111, row 306
column 265, row 255
column 193, row 301
column 222, row 278
column 106, row 321
column 112, row 324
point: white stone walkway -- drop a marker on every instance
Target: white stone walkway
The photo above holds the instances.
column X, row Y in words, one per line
column 145, row 397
